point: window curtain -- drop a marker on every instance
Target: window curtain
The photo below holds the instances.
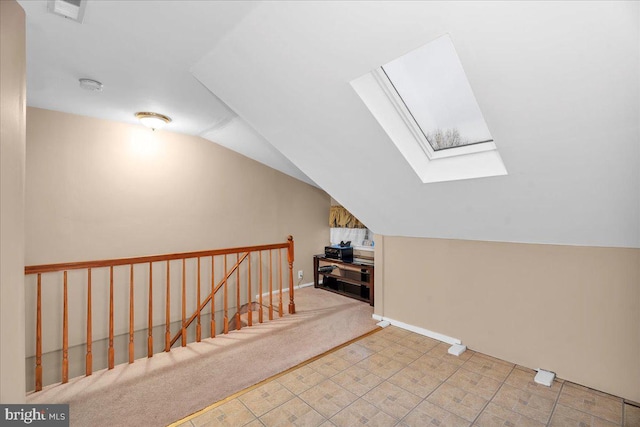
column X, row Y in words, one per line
column 357, row 236
column 339, row 217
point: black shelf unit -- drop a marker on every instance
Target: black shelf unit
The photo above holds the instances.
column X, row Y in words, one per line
column 353, row 279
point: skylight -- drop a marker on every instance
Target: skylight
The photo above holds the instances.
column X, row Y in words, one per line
column 432, row 85
column 425, row 104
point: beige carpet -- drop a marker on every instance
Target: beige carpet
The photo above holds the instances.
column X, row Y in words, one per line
column 170, row 386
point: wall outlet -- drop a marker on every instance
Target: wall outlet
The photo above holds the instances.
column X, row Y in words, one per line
column 300, row 274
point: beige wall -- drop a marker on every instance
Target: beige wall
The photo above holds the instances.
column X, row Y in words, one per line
column 99, row 189
column 572, row 310
column 12, row 164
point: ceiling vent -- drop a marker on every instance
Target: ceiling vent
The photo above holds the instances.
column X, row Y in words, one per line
column 71, row 9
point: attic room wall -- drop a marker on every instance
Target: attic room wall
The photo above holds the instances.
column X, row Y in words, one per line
column 12, row 158
column 569, row 309
column 98, row 189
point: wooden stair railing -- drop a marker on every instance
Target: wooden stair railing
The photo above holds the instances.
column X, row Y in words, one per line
column 243, row 255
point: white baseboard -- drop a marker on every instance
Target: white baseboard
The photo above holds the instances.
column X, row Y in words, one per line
column 418, row 330
column 276, row 292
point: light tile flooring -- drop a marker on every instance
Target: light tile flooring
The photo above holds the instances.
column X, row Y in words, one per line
column 397, row 378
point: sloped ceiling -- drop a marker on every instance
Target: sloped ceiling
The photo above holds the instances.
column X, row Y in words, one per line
column 142, row 52
column 558, row 84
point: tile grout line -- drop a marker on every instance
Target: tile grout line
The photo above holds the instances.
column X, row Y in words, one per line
column 555, row 404
column 398, row 420
column 330, row 378
column 248, row 409
column 441, row 383
column 494, row 395
column 583, row 411
column 273, row 377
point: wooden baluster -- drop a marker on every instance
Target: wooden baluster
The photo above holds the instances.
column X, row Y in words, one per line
column 292, row 304
column 213, row 301
column 238, row 322
column 270, row 287
column 184, row 302
column 39, row 335
column 198, row 325
column 150, row 320
column 280, row 282
column 167, row 315
column 260, row 287
column 65, row 334
column 111, row 351
column 131, row 314
column 250, row 309
column 224, row 297
column 89, row 357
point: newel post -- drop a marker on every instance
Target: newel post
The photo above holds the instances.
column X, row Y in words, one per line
column 292, row 305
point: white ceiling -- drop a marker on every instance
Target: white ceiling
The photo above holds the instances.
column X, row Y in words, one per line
column 142, row 52
column 558, row 84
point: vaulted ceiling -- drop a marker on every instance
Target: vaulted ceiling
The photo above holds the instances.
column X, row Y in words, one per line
column 558, row 84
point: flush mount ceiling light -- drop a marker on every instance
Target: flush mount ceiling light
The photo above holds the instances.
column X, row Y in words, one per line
column 153, row 120
column 90, row 84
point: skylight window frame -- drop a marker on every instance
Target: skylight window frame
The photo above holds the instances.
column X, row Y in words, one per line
column 387, row 87
column 472, row 161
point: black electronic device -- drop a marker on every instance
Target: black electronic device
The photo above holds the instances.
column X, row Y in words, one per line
column 337, row 252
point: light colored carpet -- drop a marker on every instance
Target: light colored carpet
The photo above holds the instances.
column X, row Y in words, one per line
column 170, row 386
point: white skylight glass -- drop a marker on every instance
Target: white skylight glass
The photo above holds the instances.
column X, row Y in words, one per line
column 433, row 86
column 425, row 104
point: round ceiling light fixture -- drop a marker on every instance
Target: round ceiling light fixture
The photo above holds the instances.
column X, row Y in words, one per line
column 91, row 85
column 153, row 120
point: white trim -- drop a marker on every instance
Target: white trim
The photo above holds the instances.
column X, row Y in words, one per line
column 446, row 165
column 418, row 330
column 457, row 349
column 277, row 291
column 385, row 85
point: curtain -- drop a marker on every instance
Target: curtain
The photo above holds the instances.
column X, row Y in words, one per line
column 356, row 236
column 339, row 217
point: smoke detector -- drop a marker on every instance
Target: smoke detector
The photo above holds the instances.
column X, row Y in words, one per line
column 71, row 9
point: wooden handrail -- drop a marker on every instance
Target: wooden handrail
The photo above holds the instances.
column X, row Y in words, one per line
column 48, row 268
column 226, row 282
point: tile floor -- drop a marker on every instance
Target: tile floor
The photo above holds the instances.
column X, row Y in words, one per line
column 397, row 378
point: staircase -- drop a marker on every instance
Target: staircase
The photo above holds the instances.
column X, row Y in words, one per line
column 200, row 292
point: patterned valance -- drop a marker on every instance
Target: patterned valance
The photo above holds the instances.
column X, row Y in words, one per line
column 339, row 217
